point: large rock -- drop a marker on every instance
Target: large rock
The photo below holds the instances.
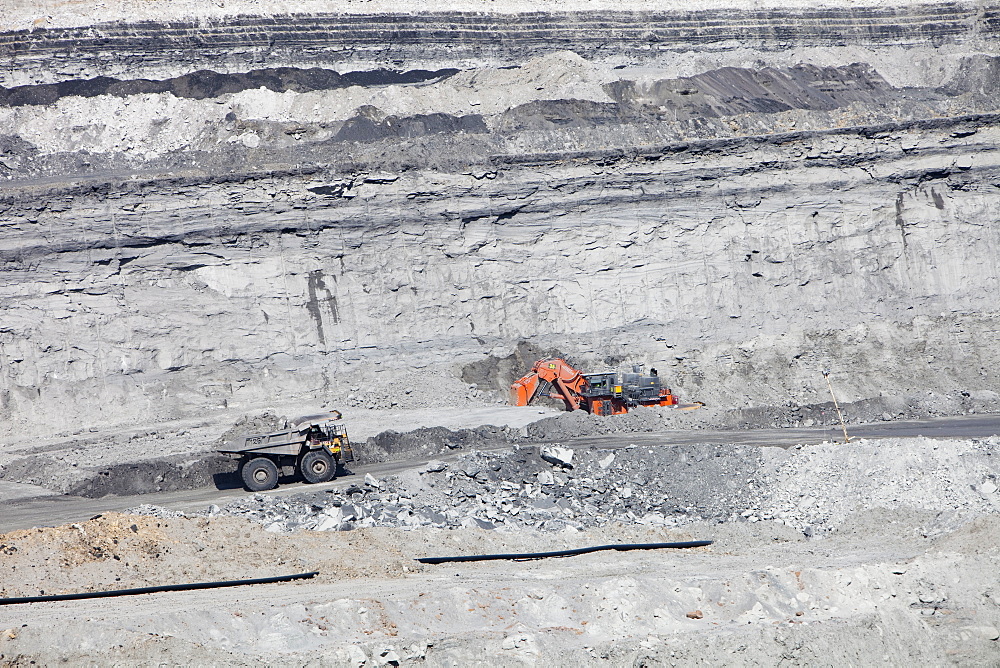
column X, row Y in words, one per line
column 558, row 456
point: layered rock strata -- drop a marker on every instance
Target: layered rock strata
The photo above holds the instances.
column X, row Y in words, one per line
column 203, row 216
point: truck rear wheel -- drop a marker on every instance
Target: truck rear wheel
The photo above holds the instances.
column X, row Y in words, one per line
column 317, row 466
column 259, row 474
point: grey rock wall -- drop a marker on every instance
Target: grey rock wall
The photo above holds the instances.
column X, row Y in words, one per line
column 741, row 218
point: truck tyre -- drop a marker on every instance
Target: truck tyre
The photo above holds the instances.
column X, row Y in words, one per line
column 259, row 474
column 317, row 466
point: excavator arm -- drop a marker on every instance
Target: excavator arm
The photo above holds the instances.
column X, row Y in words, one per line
column 567, row 381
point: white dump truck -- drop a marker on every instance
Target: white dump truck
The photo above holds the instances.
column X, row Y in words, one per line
column 313, row 445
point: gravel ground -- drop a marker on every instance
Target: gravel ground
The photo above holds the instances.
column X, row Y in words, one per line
column 181, row 454
column 836, row 554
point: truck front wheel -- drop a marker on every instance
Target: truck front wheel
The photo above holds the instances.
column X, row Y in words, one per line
column 260, row 474
column 317, row 466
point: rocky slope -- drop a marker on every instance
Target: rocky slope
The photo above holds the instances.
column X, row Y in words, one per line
column 209, row 215
column 812, row 489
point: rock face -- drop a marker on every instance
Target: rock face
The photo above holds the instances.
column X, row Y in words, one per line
column 214, row 213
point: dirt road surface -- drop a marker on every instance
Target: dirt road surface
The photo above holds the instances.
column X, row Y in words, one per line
column 882, row 549
column 56, row 510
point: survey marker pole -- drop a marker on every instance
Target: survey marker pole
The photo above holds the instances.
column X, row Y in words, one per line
column 826, row 374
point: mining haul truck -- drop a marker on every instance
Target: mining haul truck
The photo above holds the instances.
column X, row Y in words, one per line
column 313, row 445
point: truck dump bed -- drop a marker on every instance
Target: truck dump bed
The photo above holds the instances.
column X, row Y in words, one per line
column 288, row 442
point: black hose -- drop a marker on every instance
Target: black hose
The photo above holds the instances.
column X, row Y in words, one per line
column 567, row 553
column 153, row 590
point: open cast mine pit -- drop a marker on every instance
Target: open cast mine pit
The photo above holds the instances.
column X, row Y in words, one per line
column 218, row 217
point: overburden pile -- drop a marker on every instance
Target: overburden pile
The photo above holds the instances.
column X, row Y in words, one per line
column 814, row 490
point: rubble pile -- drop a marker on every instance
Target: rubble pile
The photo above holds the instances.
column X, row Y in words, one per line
column 816, row 489
column 792, row 414
column 551, row 489
column 432, row 441
column 811, row 489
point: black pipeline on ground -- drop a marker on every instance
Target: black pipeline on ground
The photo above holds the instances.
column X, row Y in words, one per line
column 621, row 547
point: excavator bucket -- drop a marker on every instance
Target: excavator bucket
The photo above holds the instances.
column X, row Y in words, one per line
column 523, row 390
column 564, row 379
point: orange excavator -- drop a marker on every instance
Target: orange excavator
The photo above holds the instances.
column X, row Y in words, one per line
column 608, row 393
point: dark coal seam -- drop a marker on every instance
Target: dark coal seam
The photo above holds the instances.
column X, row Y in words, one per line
column 699, row 146
column 447, row 27
column 392, row 23
column 205, row 84
column 37, row 250
column 88, row 185
column 778, row 29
